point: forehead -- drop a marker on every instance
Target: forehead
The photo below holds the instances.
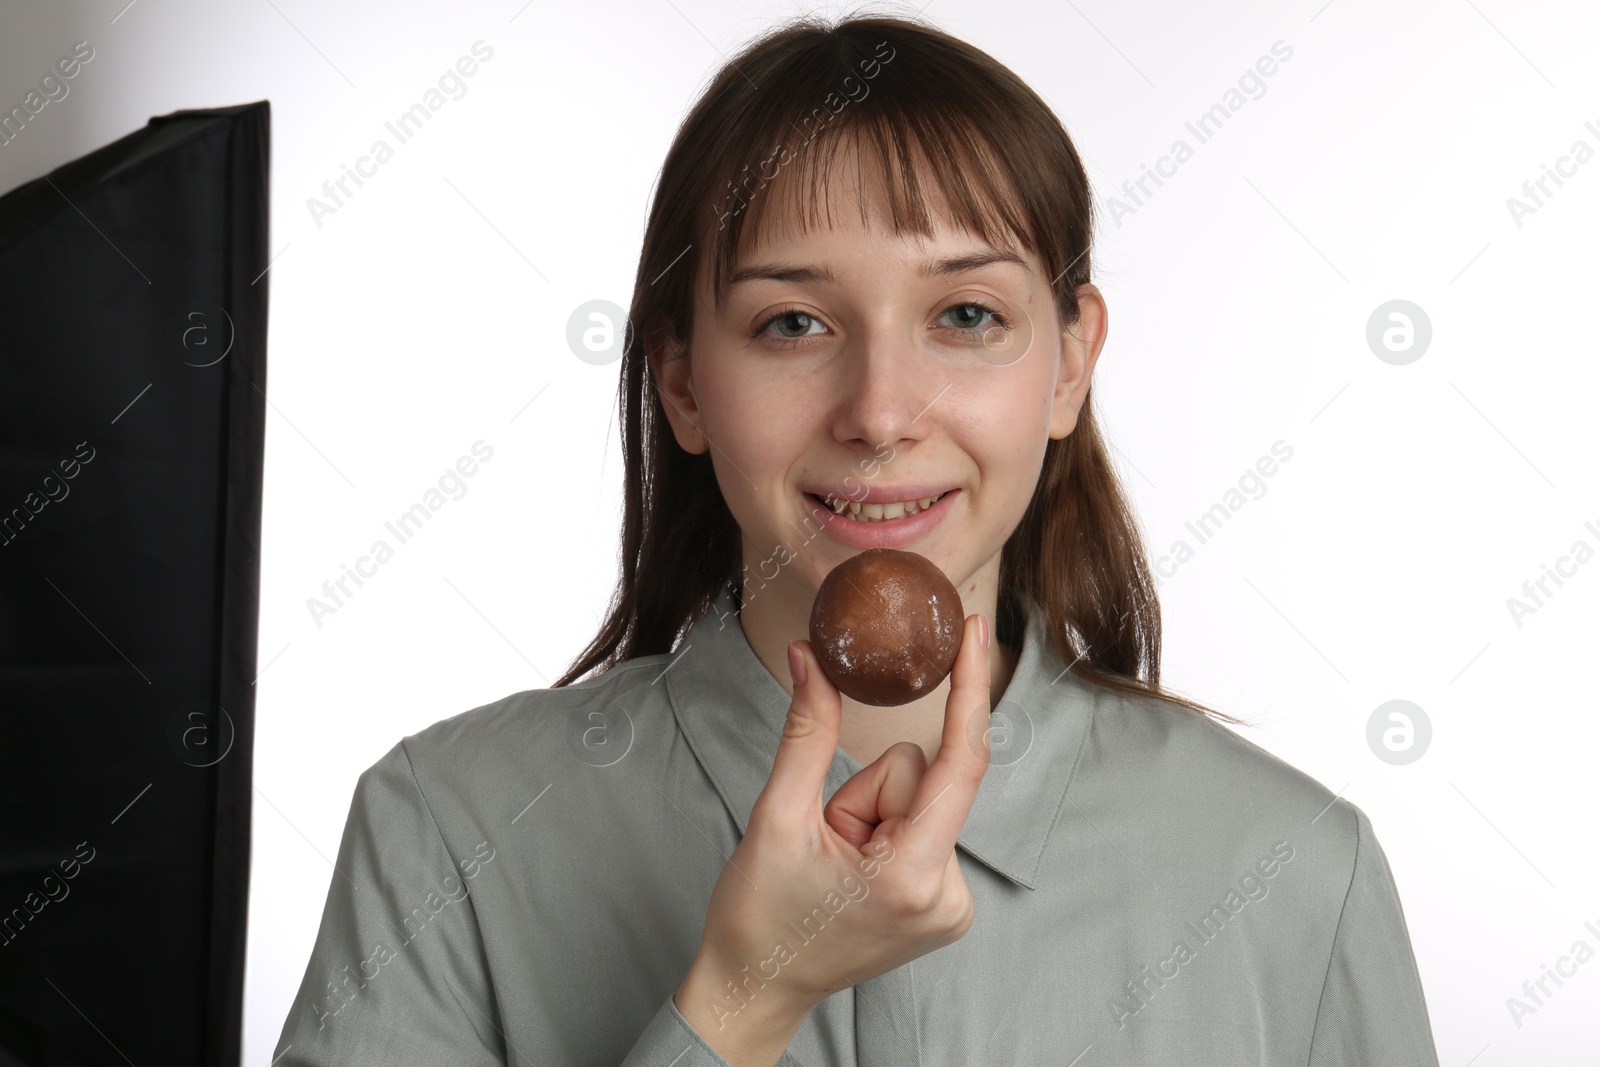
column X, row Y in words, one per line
column 844, row 254
column 809, row 262
column 847, row 193
column 840, row 192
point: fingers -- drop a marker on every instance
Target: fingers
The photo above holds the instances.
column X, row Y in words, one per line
column 906, row 766
column 806, row 748
column 880, row 790
column 944, row 796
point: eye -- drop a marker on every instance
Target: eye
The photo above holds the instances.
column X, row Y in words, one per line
column 972, row 311
column 976, row 310
column 793, row 318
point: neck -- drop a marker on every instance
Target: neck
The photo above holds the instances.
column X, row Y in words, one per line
column 778, row 612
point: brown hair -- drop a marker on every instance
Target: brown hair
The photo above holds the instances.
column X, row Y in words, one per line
column 1005, row 165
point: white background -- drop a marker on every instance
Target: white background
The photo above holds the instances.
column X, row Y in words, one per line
column 430, row 309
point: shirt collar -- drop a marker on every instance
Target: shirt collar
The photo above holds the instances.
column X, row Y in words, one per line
column 731, row 710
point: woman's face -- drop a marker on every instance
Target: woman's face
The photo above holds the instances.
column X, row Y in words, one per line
column 848, row 367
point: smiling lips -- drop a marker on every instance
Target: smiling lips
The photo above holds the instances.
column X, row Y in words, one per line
column 856, row 511
column 883, row 517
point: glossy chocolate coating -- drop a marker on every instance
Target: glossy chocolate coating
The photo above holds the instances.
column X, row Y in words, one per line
column 886, row 626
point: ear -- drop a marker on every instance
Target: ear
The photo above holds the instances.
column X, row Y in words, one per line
column 670, row 371
column 1080, row 348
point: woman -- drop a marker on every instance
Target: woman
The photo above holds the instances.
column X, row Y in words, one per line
column 862, row 317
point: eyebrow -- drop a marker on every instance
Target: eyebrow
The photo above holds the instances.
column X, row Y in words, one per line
column 934, row 269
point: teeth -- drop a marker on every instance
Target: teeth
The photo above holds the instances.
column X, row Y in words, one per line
column 879, row 512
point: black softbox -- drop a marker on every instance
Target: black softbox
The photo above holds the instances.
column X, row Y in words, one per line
column 133, row 321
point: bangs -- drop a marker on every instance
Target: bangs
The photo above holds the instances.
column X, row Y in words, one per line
column 931, row 161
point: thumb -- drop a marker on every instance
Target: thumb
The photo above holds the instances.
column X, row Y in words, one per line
column 810, row 737
column 882, row 790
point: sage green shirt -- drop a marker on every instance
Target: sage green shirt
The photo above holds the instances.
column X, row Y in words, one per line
column 526, row 883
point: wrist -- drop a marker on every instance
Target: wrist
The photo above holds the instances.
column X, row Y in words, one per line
column 746, row 1017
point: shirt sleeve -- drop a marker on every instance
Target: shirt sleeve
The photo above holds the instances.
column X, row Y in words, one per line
column 1372, row 1011
column 398, row 975
column 670, row 1039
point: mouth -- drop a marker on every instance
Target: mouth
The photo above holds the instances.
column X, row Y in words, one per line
column 873, row 514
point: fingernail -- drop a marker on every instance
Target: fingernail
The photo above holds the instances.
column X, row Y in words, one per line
column 983, row 629
column 797, row 664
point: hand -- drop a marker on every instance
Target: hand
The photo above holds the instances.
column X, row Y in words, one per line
column 816, row 899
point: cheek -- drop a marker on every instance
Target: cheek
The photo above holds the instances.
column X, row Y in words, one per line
column 1011, row 408
column 758, row 432
column 1003, row 423
column 751, row 417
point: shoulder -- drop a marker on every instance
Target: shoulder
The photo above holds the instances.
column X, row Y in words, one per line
column 535, row 714
column 1215, row 787
column 1205, row 759
column 482, row 759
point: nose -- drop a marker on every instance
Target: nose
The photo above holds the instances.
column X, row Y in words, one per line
column 884, row 392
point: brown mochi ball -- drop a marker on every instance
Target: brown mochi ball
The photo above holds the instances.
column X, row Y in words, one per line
column 886, row 626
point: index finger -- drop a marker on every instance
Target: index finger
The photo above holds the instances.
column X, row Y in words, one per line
column 945, row 794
